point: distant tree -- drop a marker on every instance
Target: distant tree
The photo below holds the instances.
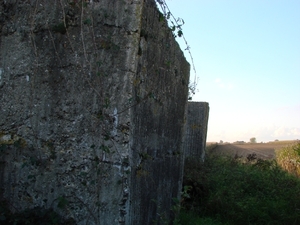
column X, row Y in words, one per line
column 221, row 142
column 253, row 140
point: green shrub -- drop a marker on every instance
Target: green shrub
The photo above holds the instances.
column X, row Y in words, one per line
column 289, row 158
column 35, row 216
column 189, row 218
column 234, row 192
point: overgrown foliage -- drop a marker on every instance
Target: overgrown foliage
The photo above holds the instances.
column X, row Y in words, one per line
column 289, row 158
column 226, row 190
column 176, row 27
column 190, row 218
column 35, row 216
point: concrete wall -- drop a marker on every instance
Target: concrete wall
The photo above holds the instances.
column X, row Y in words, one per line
column 92, row 102
column 196, row 129
column 162, row 73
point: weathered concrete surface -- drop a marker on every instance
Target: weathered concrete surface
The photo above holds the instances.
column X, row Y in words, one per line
column 163, row 74
column 196, row 129
column 92, row 101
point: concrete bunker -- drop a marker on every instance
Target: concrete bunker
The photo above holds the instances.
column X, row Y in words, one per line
column 93, row 101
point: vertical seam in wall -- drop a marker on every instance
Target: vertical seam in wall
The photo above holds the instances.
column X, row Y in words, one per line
column 129, row 218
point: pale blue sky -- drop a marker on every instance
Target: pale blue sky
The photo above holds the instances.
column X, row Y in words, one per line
column 247, row 57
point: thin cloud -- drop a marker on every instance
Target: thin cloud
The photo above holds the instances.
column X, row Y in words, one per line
column 287, row 133
column 223, row 85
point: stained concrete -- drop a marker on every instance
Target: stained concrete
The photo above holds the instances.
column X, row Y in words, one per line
column 92, row 102
column 196, row 129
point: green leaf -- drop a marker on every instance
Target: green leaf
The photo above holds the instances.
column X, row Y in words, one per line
column 30, row 177
column 179, row 33
column 3, row 147
column 168, row 15
column 105, row 148
column 107, row 102
column 87, row 21
column 161, row 17
column 62, row 202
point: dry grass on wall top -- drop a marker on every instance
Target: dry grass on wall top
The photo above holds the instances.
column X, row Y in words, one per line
column 289, row 158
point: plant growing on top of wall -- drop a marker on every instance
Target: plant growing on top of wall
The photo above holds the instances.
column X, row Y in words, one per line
column 176, row 27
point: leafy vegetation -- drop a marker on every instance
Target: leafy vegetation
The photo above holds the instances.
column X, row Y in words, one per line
column 38, row 216
column 175, row 25
column 232, row 191
column 191, row 218
column 289, row 158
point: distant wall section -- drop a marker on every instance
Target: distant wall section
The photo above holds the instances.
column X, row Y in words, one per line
column 196, row 129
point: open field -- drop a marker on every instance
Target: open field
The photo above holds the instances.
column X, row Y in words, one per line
column 262, row 150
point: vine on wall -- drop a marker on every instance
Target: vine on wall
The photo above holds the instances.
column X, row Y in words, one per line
column 176, row 27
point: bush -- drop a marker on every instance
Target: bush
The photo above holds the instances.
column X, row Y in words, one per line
column 234, row 192
column 189, row 218
column 35, row 216
column 289, row 158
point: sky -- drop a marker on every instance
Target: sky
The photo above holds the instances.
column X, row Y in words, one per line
column 247, row 57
